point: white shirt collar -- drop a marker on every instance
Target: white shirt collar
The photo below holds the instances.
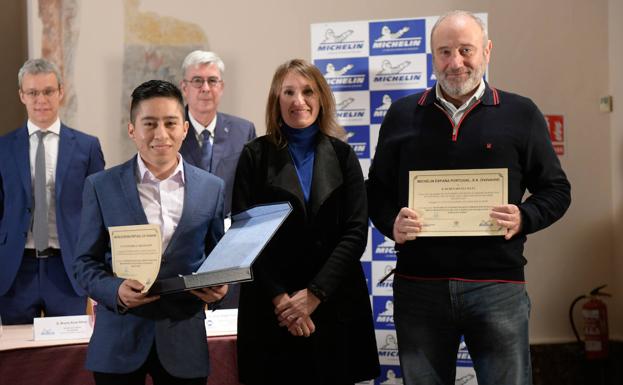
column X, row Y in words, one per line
column 477, row 95
column 199, row 128
column 145, row 175
column 54, row 128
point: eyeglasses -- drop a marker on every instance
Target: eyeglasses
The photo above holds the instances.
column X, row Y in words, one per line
column 48, row 92
column 197, row 81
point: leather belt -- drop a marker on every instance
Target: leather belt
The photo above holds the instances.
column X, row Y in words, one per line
column 47, row 253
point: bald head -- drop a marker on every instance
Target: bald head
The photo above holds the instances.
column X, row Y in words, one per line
column 461, row 51
column 460, row 18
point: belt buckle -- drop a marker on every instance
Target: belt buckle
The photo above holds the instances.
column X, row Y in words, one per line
column 41, row 254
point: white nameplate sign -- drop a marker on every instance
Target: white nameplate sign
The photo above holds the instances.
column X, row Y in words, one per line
column 223, row 322
column 63, row 328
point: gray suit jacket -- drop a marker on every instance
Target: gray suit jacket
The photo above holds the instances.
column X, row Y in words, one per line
column 230, row 135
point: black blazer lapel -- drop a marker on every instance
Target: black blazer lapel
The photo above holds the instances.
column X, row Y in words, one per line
column 282, row 174
column 327, row 173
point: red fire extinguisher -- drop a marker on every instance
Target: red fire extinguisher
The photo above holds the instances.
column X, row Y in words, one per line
column 595, row 315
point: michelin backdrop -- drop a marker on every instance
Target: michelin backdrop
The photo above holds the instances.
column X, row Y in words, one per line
column 370, row 64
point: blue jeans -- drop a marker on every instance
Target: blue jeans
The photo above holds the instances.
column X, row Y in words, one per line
column 431, row 316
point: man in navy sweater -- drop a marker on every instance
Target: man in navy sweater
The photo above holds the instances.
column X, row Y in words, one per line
column 450, row 286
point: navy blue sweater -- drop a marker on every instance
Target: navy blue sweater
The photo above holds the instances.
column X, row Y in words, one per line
column 502, row 130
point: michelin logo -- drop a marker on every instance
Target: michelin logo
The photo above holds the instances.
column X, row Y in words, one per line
column 388, row 69
column 380, row 111
column 387, row 34
column 387, row 315
column 390, row 348
column 344, row 113
column 358, row 147
column 430, row 71
column 380, row 102
column 331, row 71
column 391, row 378
column 393, row 40
column 331, row 37
column 338, row 42
column 462, row 356
column 344, row 103
column 387, row 247
column 338, row 77
column 388, row 282
column 464, row 380
column 391, row 73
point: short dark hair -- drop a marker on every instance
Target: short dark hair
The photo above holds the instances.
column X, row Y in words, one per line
column 154, row 89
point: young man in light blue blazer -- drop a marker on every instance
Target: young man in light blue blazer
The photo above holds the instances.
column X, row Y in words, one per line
column 138, row 333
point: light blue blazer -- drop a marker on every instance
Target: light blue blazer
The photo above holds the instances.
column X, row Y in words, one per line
column 121, row 341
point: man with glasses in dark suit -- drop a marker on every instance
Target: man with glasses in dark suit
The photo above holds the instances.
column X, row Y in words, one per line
column 214, row 139
column 43, row 165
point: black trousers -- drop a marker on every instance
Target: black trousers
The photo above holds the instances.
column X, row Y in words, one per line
column 154, row 368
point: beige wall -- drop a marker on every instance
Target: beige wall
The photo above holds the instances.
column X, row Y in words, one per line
column 555, row 52
column 615, row 51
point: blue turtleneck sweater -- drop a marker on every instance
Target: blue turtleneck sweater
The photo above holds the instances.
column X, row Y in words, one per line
column 302, row 148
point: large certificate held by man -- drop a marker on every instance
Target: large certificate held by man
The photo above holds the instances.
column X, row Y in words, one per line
column 136, row 252
column 231, row 259
column 458, row 202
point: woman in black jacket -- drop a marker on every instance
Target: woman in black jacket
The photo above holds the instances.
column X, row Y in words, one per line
column 306, row 317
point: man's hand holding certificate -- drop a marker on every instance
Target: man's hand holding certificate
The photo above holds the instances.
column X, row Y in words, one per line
column 136, row 255
column 457, row 203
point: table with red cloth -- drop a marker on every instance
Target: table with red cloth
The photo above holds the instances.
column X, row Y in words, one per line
column 28, row 362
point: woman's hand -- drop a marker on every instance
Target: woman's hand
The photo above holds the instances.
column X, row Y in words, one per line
column 294, row 312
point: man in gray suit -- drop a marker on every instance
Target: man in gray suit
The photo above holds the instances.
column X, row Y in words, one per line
column 214, row 139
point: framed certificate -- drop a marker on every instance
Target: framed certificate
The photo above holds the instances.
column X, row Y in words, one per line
column 458, row 202
column 231, row 259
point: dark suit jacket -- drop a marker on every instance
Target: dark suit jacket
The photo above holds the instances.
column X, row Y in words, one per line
column 79, row 155
column 230, row 135
column 121, row 342
column 320, row 243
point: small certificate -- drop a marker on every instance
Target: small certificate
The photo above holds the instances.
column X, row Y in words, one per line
column 136, row 252
column 458, row 202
